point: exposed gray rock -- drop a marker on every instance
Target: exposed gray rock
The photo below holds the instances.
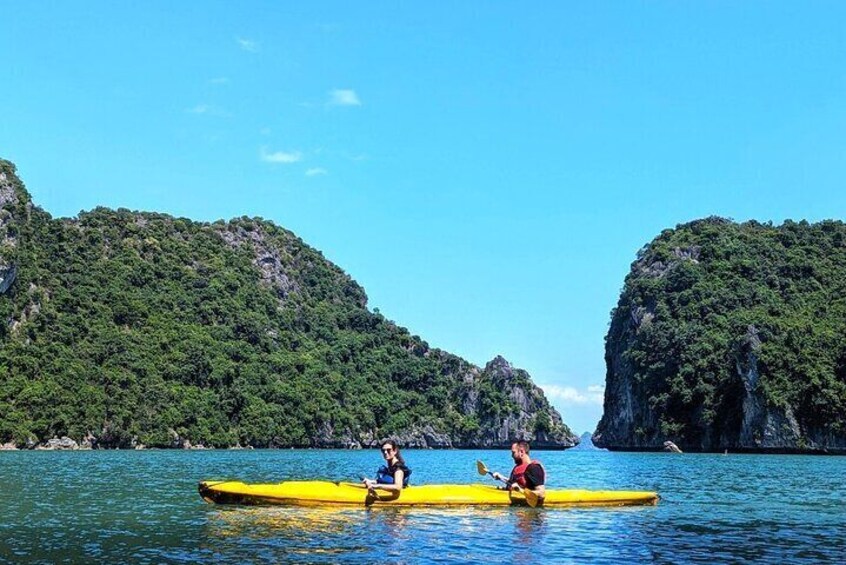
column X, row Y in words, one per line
column 328, row 437
column 9, row 446
column 766, row 427
column 88, row 442
column 8, row 196
column 9, row 199
column 59, row 444
column 425, row 437
column 671, row 447
column 7, row 277
column 626, row 414
column 648, row 266
column 527, row 404
column 176, row 441
column 269, row 259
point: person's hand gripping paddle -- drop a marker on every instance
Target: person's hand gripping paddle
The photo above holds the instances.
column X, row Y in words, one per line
column 531, row 497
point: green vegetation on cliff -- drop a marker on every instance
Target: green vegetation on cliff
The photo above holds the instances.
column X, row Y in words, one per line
column 142, row 327
column 722, row 325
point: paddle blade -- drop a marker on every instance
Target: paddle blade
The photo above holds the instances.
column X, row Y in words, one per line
column 531, row 498
column 481, row 468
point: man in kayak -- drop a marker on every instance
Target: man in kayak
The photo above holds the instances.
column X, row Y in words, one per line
column 394, row 475
column 528, row 473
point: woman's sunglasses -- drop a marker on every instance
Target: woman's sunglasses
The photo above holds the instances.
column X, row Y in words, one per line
column 386, row 450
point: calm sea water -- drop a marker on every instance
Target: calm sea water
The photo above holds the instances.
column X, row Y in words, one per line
column 143, row 507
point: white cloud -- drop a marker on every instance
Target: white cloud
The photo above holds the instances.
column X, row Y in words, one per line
column 248, row 45
column 594, row 394
column 200, row 109
column 316, row 171
column 219, row 80
column 342, row 97
column 280, row 156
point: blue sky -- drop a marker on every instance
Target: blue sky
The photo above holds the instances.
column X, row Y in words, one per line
column 487, row 171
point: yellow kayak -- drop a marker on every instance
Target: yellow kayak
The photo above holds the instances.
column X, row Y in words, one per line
column 314, row 493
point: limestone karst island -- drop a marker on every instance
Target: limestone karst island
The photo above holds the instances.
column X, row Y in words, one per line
column 134, row 329
column 731, row 337
column 129, row 329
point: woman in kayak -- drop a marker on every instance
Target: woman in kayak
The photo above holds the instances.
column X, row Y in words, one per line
column 394, row 474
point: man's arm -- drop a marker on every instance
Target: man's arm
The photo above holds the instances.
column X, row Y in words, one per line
column 535, row 478
column 504, row 479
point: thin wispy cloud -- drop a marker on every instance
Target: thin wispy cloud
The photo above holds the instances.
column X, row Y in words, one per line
column 316, row 171
column 219, row 80
column 285, row 157
column 344, row 97
column 356, row 157
column 594, row 394
column 248, row 45
column 209, row 110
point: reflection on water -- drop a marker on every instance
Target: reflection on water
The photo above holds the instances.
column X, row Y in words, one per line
column 400, row 533
column 137, row 507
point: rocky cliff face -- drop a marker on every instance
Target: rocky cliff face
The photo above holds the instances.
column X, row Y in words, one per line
column 525, row 413
column 726, row 337
column 131, row 329
column 10, row 201
column 766, row 427
column 519, row 411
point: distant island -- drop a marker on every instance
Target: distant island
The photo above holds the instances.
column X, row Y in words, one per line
column 731, row 336
column 586, row 443
column 127, row 329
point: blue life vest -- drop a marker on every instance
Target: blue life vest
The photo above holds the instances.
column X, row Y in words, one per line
column 385, row 475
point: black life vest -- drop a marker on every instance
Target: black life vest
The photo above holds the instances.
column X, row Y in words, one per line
column 385, row 474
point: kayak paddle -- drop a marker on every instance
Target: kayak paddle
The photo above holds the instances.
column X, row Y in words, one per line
column 531, row 497
column 484, row 470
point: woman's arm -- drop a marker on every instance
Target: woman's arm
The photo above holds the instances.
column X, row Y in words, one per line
column 399, row 476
